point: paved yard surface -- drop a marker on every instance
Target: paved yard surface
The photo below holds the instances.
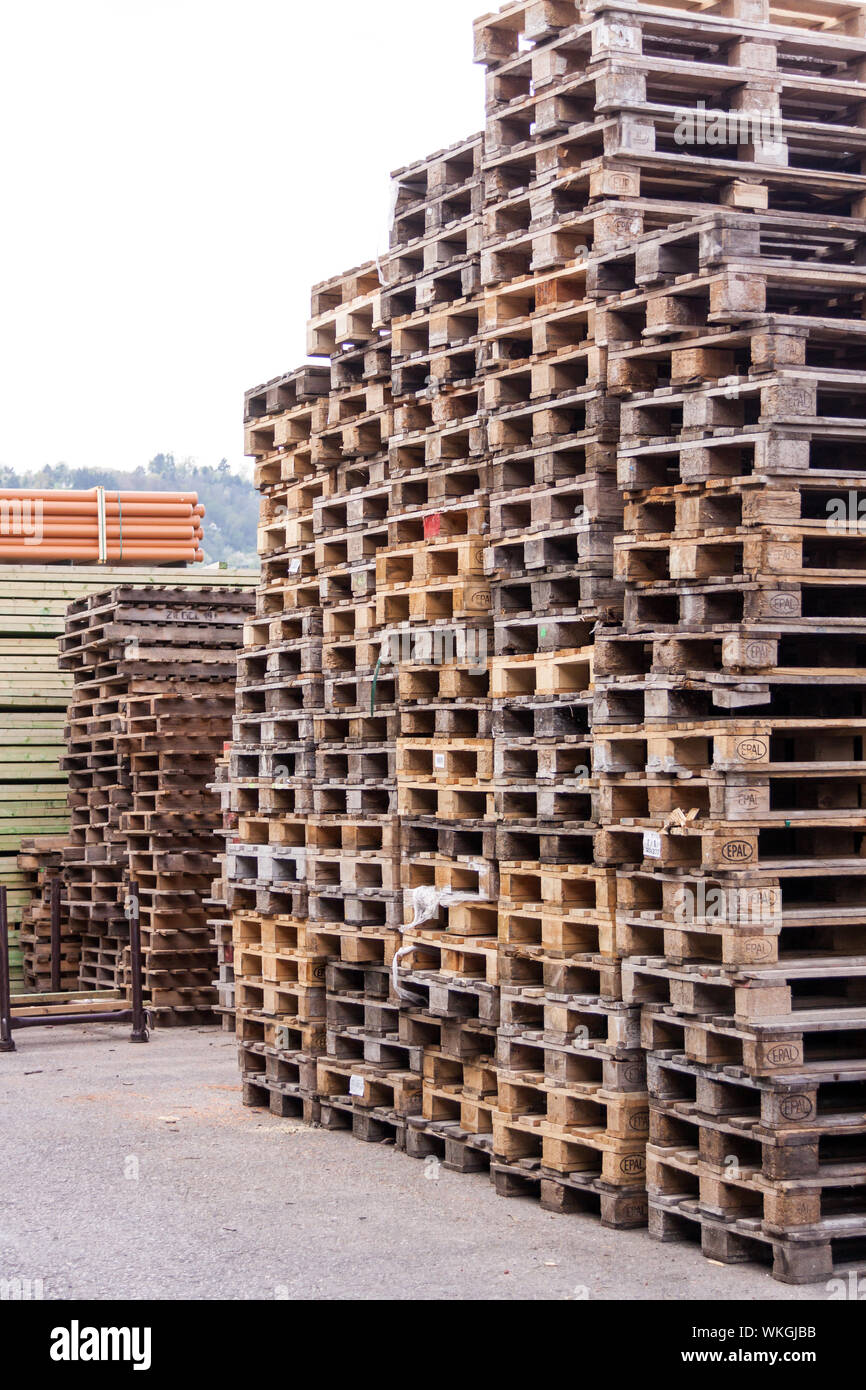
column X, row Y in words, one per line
column 135, row 1172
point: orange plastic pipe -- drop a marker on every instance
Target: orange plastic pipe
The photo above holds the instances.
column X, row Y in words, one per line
column 81, row 551
column 176, row 510
column 77, row 510
column 55, row 493
column 175, row 540
column 82, row 530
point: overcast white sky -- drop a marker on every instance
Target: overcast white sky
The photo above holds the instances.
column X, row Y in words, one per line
column 176, row 174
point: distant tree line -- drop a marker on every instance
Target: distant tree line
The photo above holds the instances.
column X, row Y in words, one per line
column 231, row 502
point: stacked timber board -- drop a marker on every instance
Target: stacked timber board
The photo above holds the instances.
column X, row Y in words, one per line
column 561, row 640
column 34, row 695
column 153, row 698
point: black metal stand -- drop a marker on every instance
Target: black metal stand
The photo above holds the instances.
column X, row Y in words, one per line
column 6, row 1041
column 56, row 980
column 135, row 1015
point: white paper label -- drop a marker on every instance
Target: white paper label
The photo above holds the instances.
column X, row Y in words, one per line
column 356, row 1085
column 439, row 760
column 652, row 844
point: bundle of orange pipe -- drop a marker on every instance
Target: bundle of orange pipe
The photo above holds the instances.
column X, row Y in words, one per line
column 112, row 528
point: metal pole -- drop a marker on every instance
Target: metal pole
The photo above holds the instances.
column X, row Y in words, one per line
column 139, row 1022
column 6, row 1042
column 55, row 936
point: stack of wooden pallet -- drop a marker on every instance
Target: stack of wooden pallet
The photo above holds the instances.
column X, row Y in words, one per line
column 34, row 695
column 317, row 866
column 572, row 1108
column 217, row 902
column 279, row 977
column 626, row 340
column 352, row 856
column 171, row 742
column 737, row 684
column 730, row 731
column 435, row 616
column 153, row 698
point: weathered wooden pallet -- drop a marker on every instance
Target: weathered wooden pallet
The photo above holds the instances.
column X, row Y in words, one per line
column 763, row 1047
column 797, row 1101
column 810, row 1255
column 617, row 1161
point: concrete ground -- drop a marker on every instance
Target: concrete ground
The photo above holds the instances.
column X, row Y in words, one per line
column 135, row 1172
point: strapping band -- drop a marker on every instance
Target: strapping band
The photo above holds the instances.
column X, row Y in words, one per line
column 100, row 517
